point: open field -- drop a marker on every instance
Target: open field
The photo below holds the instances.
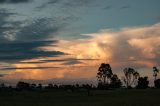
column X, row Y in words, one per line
column 148, row 97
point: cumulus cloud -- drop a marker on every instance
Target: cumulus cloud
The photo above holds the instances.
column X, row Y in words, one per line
column 135, row 46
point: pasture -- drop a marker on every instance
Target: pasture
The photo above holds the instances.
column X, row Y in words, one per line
column 149, row 97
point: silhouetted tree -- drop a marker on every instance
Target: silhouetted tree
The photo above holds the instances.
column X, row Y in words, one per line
column 55, row 86
column 50, row 86
column 2, row 85
column 23, row 86
column 130, row 76
column 142, row 83
column 101, row 85
column 77, row 86
column 115, row 82
column 104, row 72
column 33, row 86
column 155, row 72
column 88, row 88
column 39, row 86
column 157, row 83
column 68, row 87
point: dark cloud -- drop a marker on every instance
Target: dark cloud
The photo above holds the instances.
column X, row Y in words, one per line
column 6, row 25
column 27, row 68
column 50, row 2
column 14, row 1
column 67, row 4
column 16, row 51
column 35, row 29
column 53, row 1
column 72, row 62
column 39, row 29
column 77, row 3
column 19, row 42
column 68, row 59
column 27, row 62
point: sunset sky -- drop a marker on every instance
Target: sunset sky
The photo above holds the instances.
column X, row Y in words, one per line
column 69, row 39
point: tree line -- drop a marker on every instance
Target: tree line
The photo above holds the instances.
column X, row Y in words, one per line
column 105, row 77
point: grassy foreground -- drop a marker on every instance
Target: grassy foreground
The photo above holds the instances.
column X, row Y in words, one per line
column 149, row 97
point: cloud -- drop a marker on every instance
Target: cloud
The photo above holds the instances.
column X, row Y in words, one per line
column 72, row 62
column 21, row 40
column 43, row 74
column 67, row 4
column 27, row 68
column 150, row 46
column 39, row 29
column 67, row 59
column 6, row 25
column 136, row 47
column 46, row 4
column 77, row 3
column 2, row 75
column 14, row 1
column 119, row 48
column 64, row 62
column 16, row 51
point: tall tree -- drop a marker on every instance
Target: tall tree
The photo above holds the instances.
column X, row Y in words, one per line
column 115, row 81
column 155, row 72
column 142, row 83
column 157, row 83
column 130, row 76
column 104, row 72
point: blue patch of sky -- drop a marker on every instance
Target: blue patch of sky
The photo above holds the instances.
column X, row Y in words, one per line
column 105, row 14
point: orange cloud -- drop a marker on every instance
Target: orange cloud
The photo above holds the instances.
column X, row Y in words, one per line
column 150, row 46
column 138, row 46
column 63, row 73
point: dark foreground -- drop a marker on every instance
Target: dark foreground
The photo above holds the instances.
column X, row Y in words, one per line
column 123, row 97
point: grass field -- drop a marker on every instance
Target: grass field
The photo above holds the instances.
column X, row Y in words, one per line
column 149, row 97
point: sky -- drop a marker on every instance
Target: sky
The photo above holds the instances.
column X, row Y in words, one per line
column 69, row 39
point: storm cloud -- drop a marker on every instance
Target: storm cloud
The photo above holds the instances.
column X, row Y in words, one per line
column 21, row 41
column 13, row 52
column 131, row 46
